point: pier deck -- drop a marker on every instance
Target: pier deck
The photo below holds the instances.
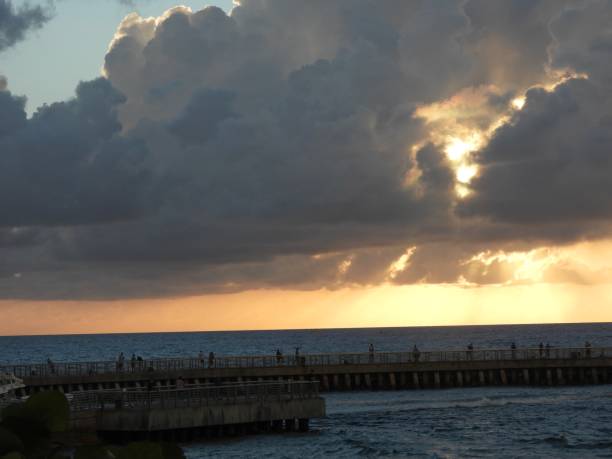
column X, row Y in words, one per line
column 346, row 371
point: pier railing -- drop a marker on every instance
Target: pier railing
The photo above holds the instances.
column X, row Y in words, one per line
column 173, row 397
column 63, row 369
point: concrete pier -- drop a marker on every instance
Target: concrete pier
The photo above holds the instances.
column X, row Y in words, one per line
column 335, row 372
column 194, row 412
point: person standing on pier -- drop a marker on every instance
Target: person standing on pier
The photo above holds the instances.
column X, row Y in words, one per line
column 51, row 365
column 120, row 361
column 513, row 350
column 371, row 352
column 470, row 351
column 541, row 349
column 416, row 354
column 201, row 358
column 133, row 362
column 279, row 357
column 587, row 349
column 211, row 359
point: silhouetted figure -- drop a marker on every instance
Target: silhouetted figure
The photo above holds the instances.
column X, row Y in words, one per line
column 51, row 365
column 416, row 354
column 201, row 358
column 513, row 350
column 279, row 357
column 211, row 359
column 120, row 361
column 299, row 360
column 470, row 351
column 133, row 362
column 587, row 349
column 541, row 349
column 371, row 352
column 547, row 350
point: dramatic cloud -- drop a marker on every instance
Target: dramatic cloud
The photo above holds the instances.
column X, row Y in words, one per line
column 316, row 144
column 552, row 162
column 67, row 165
column 15, row 23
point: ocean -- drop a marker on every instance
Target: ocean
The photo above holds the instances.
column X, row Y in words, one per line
column 500, row 422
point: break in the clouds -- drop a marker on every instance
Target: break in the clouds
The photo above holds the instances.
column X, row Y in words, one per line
column 314, row 144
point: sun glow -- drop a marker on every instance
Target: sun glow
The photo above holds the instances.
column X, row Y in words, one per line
column 400, row 264
column 518, row 103
column 466, row 173
column 530, row 266
column 458, row 148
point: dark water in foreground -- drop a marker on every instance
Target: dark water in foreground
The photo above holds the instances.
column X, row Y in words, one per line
column 495, row 422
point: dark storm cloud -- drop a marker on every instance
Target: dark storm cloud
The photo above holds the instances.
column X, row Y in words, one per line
column 67, row 164
column 15, row 23
column 552, row 164
column 275, row 147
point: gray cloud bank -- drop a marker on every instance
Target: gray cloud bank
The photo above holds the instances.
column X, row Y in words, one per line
column 275, row 147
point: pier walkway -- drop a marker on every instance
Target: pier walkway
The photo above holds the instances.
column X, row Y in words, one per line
column 342, row 371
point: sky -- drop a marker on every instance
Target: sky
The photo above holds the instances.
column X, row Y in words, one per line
column 287, row 164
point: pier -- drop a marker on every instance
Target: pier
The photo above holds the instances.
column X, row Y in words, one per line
column 187, row 413
column 336, row 372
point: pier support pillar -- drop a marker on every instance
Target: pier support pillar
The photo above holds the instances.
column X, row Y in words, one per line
column 437, row 379
column 392, row 381
column 595, row 375
column 415, row 380
column 403, row 380
column 277, row 425
column 357, row 381
column 503, row 377
column 304, row 425
column 460, row 379
column 549, row 377
column 325, row 382
column 526, row 376
column 347, row 381
column 335, row 380
column 560, row 378
column 290, row 425
column 481, row 378
column 368, row 381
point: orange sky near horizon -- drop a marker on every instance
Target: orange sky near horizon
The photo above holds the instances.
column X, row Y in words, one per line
column 384, row 306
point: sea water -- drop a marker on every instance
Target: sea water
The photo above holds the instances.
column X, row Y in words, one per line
column 473, row 422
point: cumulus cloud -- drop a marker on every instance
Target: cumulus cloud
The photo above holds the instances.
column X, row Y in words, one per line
column 66, row 164
column 302, row 145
